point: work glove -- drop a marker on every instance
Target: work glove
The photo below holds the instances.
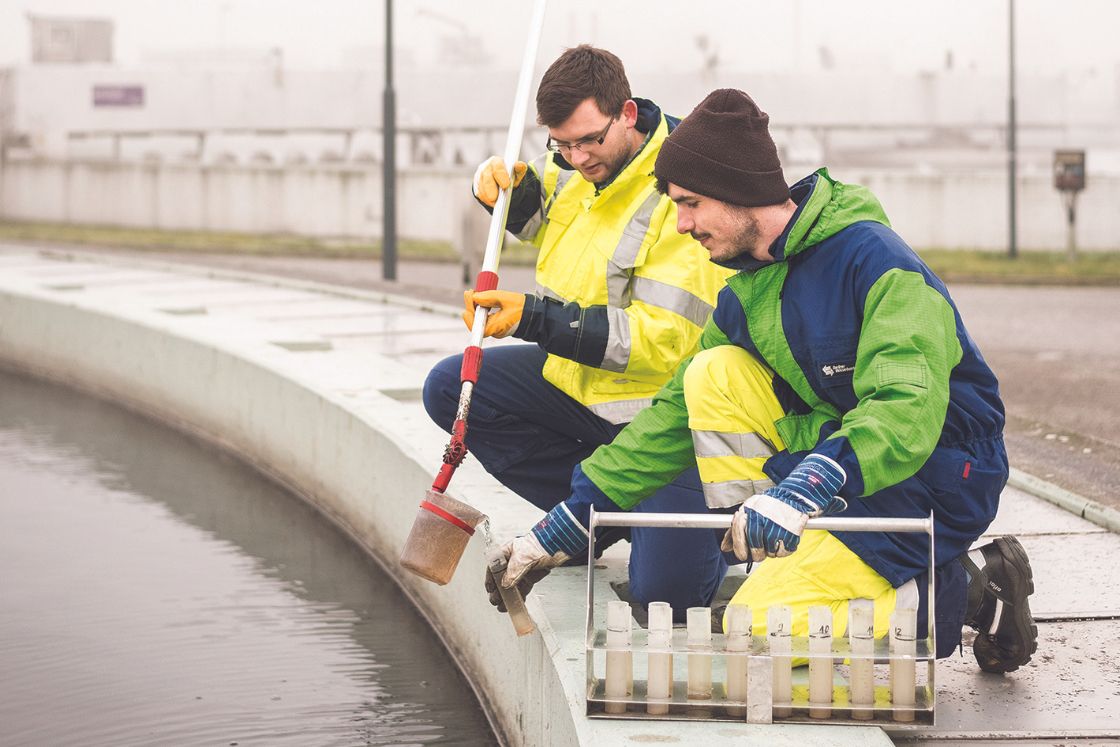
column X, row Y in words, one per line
column 555, row 540
column 507, row 306
column 524, row 586
column 769, row 525
column 491, row 177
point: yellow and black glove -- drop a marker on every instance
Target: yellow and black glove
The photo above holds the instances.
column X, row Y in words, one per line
column 491, row 177
column 507, row 309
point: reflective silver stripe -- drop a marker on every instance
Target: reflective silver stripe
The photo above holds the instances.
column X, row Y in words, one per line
column 732, row 492
column 561, row 180
column 545, row 292
column 621, row 265
column 621, row 410
column 529, row 230
column 677, row 300
column 721, row 444
column 617, row 354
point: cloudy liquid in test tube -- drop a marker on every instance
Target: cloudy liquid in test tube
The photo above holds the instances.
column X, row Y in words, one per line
column 820, row 670
column 511, row 598
column 739, row 632
column 904, row 628
column 779, row 623
column 659, row 685
column 861, row 635
column 620, row 664
column 700, row 656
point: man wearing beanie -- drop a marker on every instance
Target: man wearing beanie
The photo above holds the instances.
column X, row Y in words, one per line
column 835, row 377
column 620, row 300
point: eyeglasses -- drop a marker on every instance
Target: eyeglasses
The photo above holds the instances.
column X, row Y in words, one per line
column 597, row 139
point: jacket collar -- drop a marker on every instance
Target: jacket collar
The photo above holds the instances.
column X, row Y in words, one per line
column 649, row 124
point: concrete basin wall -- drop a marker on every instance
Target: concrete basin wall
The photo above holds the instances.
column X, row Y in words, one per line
column 340, row 424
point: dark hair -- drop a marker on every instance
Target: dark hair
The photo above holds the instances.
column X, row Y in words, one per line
column 581, row 73
column 662, row 185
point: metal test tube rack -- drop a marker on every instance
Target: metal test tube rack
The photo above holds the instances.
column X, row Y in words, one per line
column 761, row 705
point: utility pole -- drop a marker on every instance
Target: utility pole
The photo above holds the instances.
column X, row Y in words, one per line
column 389, row 166
column 1012, row 248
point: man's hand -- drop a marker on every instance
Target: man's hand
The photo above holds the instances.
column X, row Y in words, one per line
column 502, row 322
column 555, row 540
column 524, row 586
column 492, row 176
column 769, row 525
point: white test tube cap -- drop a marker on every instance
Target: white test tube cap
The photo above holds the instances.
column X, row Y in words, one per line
column 618, row 616
column 739, row 627
column 660, row 616
column 700, row 626
column 820, row 622
column 861, row 619
column 779, row 622
column 904, row 627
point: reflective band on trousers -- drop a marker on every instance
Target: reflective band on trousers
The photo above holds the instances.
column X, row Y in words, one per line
column 733, row 492
column 720, row 444
column 621, row 410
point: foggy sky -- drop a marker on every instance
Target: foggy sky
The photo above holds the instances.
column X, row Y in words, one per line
column 1075, row 37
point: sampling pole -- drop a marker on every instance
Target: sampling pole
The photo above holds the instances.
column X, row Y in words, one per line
column 488, row 276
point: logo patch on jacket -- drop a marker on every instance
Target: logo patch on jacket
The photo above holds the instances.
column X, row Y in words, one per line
column 835, row 369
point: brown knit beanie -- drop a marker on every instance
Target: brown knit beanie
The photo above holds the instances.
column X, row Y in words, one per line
column 724, row 150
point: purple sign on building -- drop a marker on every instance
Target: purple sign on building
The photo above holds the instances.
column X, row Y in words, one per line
column 118, row 95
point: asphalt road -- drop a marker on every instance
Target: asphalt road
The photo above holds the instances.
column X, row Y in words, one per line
column 1056, row 351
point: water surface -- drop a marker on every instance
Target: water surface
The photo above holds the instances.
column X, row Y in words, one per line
column 156, row 591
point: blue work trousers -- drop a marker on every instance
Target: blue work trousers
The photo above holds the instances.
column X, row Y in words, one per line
column 530, row 436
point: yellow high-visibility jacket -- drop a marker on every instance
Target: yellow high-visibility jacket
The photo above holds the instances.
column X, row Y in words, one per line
column 621, row 297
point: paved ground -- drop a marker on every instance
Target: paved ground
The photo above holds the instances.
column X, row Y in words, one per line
column 1056, row 351
column 1068, row 694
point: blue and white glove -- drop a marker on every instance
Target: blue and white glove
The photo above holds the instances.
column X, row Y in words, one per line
column 556, row 539
column 769, row 525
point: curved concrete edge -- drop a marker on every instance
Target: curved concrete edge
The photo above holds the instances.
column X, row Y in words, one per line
column 332, row 444
column 1090, row 510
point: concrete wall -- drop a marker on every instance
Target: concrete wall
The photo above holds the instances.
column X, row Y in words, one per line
column 314, row 201
column 364, row 460
column 950, row 209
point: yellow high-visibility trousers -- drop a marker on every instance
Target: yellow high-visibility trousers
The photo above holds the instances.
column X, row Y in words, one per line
column 732, row 410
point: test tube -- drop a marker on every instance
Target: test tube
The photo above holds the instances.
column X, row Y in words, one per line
column 511, row 598
column 903, row 649
column 778, row 631
column 700, row 656
column 861, row 634
column 659, row 686
column 820, row 669
column 739, row 632
column 620, row 669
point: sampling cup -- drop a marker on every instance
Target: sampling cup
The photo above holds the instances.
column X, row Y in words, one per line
column 440, row 533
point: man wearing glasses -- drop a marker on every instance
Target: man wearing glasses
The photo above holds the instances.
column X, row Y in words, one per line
column 620, row 300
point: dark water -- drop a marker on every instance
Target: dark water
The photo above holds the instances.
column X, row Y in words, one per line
column 153, row 591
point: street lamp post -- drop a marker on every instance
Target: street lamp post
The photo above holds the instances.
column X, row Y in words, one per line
column 389, row 166
column 1012, row 248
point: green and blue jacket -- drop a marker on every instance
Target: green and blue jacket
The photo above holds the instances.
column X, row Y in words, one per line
column 874, row 369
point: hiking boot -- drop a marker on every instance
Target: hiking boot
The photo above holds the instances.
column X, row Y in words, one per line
column 1000, row 583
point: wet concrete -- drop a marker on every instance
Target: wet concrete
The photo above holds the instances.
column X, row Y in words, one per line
column 156, row 591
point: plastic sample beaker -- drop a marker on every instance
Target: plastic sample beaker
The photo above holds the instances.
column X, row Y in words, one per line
column 861, row 633
column 820, row 669
column 440, row 533
column 659, row 683
column 739, row 632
